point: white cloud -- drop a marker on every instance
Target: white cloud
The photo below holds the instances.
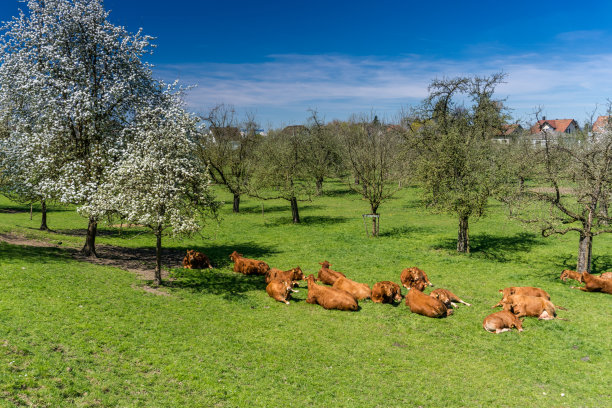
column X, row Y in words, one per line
column 284, row 87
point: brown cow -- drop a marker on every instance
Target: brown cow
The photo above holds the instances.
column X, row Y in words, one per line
column 522, row 305
column 595, row 284
column 280, row 290
column 606, row 275
column 420, row 303
column 447, row 297
column 196, row 260
column 501, row 321
column 292, row 275
column 414, row 277
column 359, row 291
column 568, row 274
column 328, row 276
column 248, row 266
column 329, row 298
column 521, row 290
column 386, row 292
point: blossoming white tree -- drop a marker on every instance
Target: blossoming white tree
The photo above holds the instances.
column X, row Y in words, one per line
column 70, row 81
column 158, row 182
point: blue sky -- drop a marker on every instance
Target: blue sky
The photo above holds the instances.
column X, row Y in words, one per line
column 279, row 59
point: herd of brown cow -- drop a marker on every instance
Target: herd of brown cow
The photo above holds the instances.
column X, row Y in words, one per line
column 341, row 293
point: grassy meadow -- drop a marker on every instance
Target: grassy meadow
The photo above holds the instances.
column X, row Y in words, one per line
column 77, row 334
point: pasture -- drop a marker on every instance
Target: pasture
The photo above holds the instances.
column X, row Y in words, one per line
column 77, row 334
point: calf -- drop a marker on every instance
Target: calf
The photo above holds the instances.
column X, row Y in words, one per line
column 279, row 290
column 248, row 266
column 522, row 305
column 329, row 298
column 501, row 321
column 292, row 275
column 386, row 292
column 595, row 284
column 196, row 260
column 420, row 303
column 447, row 297
column 568, row 274
column 328, row 276
column 414, row 278
column 521, row 290
column 358, row 290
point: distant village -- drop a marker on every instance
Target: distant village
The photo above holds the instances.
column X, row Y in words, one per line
column 549, row 127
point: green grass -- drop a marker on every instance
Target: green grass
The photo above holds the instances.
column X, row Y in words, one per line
column 76, row 334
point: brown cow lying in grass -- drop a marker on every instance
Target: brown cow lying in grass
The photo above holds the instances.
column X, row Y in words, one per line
column 447, row 297
column 535, row 306
column 521, row 290
column 359, row 291
column 328, row 276
column 420, row 303
column 292, row 275
column 280, row 290
column 414, row 278
column 248, row 266
column 595, row 284
column 196, row 260
column 501, row 321
column 568, row 274
column 386, row 292
column 329, row 298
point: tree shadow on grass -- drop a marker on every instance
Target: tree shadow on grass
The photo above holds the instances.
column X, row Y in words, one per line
column 405, row 230
column 31, row 254
column 126, row 233
column 309, row 220
column 232, row 286
column 496, row 248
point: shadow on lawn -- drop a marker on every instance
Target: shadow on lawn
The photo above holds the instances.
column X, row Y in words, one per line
column 231, row 286
column 308, row 220
column 405, row 230
column 497, row 248
column 31, row 254
column 268, row 208
column 126, row 233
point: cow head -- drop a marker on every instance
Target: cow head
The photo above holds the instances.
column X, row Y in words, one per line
column 325, row 264
column 298, row 274
column 235, row 255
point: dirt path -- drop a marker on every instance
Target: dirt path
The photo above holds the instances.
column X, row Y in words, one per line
column 140, row 261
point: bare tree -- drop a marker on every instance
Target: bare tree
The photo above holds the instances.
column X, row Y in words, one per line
column 576, row 177
column 373, row 151
column 324, row 156
column 227, row 147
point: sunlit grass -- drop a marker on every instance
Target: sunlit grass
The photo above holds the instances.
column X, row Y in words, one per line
column 76, row 334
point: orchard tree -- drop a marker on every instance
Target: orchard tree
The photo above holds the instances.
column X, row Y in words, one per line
column 282, row 171
column 373, row 151
column 70, row 81
column 228, row 146
column 457, row 164
column 574, row 183
column 323, row 150
column 158, row 181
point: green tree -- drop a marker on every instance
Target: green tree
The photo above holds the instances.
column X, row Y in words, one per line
column 284, row 174
column 456, row 161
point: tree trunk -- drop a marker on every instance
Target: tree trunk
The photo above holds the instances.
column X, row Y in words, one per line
column 43, row 211
column 319, row 186
column 521, row 183
column 158, row 253
column 236, row 203
column 584, row 253
column 294, row 210
column 463, row 238
column 90, row 240
column 603, row 211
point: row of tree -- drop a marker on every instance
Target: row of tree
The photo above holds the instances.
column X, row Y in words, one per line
column 85, row 123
